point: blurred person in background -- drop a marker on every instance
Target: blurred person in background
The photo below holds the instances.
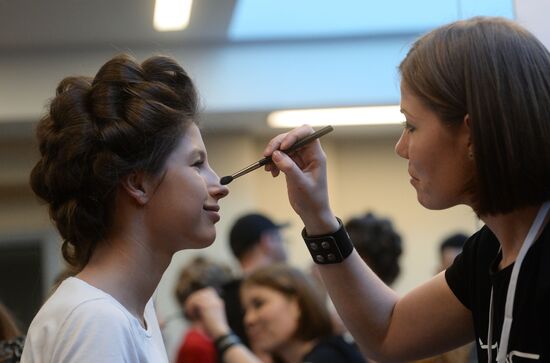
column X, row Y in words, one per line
column 378, row 244
column 11, row 339
column 449, row 248
column 255, row 241
column 199, row 273
column 285, row 317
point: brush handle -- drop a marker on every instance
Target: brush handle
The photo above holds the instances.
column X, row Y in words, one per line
column 302, row 142
column 298, row 144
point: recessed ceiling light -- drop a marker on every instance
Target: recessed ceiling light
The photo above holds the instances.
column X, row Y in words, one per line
column 171, row 15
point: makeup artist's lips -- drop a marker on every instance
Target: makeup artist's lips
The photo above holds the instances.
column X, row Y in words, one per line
column 413, row 180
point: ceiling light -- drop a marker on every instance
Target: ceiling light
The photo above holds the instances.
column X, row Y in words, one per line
column 172, row 15
column 344, row 116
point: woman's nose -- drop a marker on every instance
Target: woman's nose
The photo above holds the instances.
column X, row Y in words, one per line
column 217, row 190
column 220, row 191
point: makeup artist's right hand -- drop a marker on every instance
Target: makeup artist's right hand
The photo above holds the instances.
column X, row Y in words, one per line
column 207, row 307
column 306, row 177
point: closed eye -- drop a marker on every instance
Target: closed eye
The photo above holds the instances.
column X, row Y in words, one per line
column 198, row 163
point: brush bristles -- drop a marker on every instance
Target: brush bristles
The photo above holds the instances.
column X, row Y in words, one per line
column 226, row 180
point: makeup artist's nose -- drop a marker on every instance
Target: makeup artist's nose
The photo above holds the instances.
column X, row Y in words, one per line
column 402, row 145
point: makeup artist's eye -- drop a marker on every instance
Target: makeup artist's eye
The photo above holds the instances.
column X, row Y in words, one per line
column 408, row 127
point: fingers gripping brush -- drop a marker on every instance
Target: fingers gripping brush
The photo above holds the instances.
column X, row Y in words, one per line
column 258, row 164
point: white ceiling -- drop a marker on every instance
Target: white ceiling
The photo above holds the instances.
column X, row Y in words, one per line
column 34, row 25
column 43, row 40
column 40, row 33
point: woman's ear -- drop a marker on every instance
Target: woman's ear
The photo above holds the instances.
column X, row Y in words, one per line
column 138, row 185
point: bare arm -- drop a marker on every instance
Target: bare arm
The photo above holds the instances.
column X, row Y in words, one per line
column 206, row 306
column 428, row 320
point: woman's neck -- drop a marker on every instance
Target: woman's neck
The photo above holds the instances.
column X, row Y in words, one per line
column 511, row 230
column 295, row 350
column 128, row 270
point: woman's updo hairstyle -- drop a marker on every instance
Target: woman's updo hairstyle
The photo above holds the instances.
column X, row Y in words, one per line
column 130, row 117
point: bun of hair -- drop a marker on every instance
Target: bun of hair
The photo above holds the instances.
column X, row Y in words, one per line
column 129, row 117
column 378, row 243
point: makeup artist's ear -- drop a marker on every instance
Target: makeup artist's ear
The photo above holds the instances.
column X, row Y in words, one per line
column 138, row 186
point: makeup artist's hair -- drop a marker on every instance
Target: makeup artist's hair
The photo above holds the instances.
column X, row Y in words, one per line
column 128, row 118
column 314, row 321
column 498, row 74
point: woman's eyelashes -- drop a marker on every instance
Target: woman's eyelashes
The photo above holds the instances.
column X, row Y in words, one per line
column 198, row 163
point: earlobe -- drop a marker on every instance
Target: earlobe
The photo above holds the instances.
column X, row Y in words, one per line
column 136, row 185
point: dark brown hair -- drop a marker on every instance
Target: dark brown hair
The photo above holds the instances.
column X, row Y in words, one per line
column 128, row 118
column 314, row 321
column 8, row 327
column 499, row 74
column 378, row 244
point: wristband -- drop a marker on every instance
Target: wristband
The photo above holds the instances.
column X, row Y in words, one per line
column 225, row 342
column 330, row 248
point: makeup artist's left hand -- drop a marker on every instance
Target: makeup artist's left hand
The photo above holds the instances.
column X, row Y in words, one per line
column 306, row 178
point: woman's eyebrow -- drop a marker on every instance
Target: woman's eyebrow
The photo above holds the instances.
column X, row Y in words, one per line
column 198, row 152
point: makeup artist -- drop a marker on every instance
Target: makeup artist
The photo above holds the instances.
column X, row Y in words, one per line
column 476, row 98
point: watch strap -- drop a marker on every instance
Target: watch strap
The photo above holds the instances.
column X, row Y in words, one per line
column 329, row 248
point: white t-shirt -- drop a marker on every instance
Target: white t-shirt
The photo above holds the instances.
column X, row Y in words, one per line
column 80, row 323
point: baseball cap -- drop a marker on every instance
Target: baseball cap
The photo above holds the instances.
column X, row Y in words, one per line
column 246, row 232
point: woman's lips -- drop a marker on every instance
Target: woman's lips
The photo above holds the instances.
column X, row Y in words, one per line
column 213, row 212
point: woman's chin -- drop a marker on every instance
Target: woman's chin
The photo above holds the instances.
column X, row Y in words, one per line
column 199, row 243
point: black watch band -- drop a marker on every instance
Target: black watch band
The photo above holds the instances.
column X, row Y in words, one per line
column 225, row 342
column 330, row 248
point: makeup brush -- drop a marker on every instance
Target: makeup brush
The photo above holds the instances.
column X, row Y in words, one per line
column 298, row 144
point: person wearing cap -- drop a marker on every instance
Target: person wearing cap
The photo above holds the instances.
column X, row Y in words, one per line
column 256, row 242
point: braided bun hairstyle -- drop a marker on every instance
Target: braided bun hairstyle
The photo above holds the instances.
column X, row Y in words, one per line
column 130, row 117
